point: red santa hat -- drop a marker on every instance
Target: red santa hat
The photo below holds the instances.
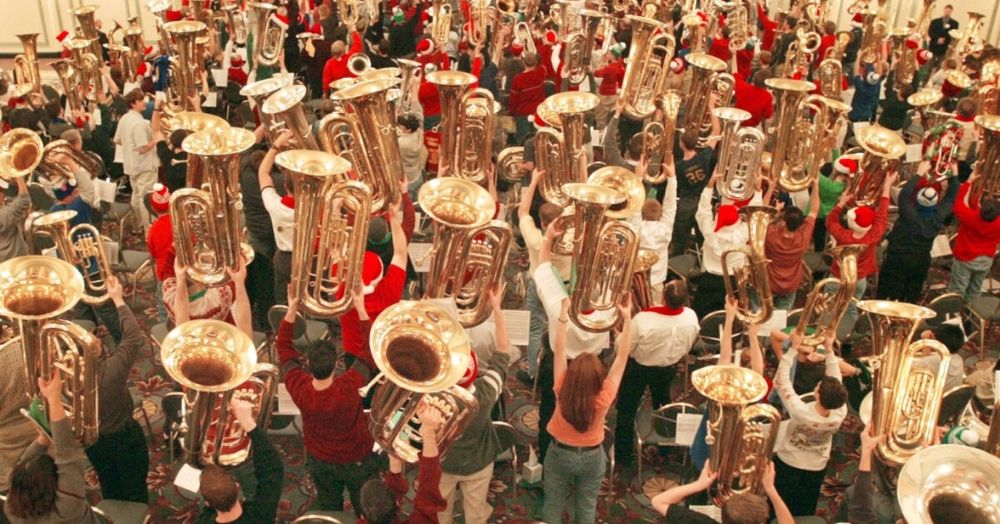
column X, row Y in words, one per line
column 371, row 272
column 847, row 164
column 62, row 36
column 173, row 15
column 516, row 49
column 678, row 65
column 860, row 219
column 924, row 56
column 912, row 43
column 141, row 69
column 858, row 20
column 539, row 121
column 703, row 15
column 471, row 373
column 159, row 199
column 728, row 215
column 551, row 37
column 424, row 47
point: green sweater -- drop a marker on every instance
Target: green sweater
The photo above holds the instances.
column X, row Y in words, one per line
column 479, row 445
column 829, row 194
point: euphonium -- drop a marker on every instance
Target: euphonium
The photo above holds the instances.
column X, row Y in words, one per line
column 285, row 108
column 695, row 31
column 987, row 183
column 874, row 31
column 470, row 250
column 708, row 76
column 736, row 19
column 26, row 64
column 648, row 66
column 522, row 35
column 941, row 482
column 904, row 57
column 183, row 78
column 478, row 25
column 21, row 151
column 359, row 64
column 883, row 150
column 441, row 24
column 258, row 92
column 829, row 74
column 579, row 47
column 214, row 362
column 88, row 28
column 906, row 388
column 81, row 246
column 206, row 215
column 423, row 351
column 642, row 290
column 740, row 436
column 452, row 87
column 799, row 52
column 367, row 138
column 739, row 154
column 236, row 23
column 508, row 161
column 331, row 229
column 560, row 153
column 604, row 254
column 476, row 126
column 34, row 290
column 52, row 168
column 824, row 309
column 350, row 13
column 748, row 283
column 788, row 151
column 268, row 33
column 658, row 137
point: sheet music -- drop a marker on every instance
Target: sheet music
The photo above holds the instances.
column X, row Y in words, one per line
column 188, row 478
column 711, row 511
column 285, row 404
column 417, row 251
column 941, row 246
column 105, row 190
column 914, row 152
column 110, row 249
column 220, row 76
column 778, row 321
column 211, row 100
column 687, row 426
column 518, row 325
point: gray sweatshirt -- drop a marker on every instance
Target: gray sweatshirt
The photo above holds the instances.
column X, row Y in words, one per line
column 115, row 401
column 12, row 216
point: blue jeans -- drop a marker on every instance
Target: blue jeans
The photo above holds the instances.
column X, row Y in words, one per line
column 413, row 186
column 967, row 277
column 583, row 470
column 851, row 316
column 536, row 329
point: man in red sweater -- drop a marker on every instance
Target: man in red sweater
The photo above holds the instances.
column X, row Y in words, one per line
column 334, row 427
column 611, row 76
column 336, row 66
column 768, row 28
column 865, row 226
column 160, row 242
column 753, row 98
column 527, row 91
column 976, row 243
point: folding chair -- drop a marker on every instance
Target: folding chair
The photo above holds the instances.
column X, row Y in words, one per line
column 659, row 427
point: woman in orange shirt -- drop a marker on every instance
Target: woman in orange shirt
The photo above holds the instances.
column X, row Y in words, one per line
column 584, row 392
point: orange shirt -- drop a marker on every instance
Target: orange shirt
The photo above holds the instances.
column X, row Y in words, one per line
column 564, row 432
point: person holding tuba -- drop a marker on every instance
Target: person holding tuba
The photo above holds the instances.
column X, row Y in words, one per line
column 744, row 508
column 976, row 242
column 611, row 74
column 12, row 217
column 340, row 56
column 786, row 243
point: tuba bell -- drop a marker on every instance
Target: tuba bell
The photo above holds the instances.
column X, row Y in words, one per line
column 21, row 151
column 708, row 77
column 441, row 24
column 214, row 362
column 749, row 284
column 331, row 230
column 258, row 92
column 625, row 182
column 183, row 77
column 987, row 183
column 822, row 311
column 70, row 77
column 359, row 64
column 906, row 388
column 788, row 162
column 34, row 290
column 470, row 250
column 268, row 33
column 647, row 66
column 883, row 150
column 560, row 153
column 658, row 137
column 285, row 109
column 423, row 352
column 941, row 482
column 740, row 436
column 367, row 138
column 81, row 246
column 604, row 254
column 87, row 22
column 740, row 154
column 206, row 214
column 26, row 64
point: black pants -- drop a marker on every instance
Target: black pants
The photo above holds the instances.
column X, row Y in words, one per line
column 711, row 295
column 547, row 403
column 819, row 236
column 636, row 379
column 282, row 276
column 798, row 488
column 331, row 479
column 260, row 288
column 683, row 224
column 903, row 275
column 122, row 462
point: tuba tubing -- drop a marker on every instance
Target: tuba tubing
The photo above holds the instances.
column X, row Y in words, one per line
column 82, row 246
column 750, row 279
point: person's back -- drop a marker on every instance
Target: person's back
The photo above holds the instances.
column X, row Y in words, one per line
column 978, row 226
column 16, row 431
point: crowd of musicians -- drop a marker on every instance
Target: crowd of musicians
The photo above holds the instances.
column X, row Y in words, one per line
column 652, row 181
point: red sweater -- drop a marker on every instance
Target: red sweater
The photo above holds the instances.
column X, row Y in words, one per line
column 527, row 91
column 160, row 241
column 770, row 27
column 334, row 425
column 429, row 100
column 336, row 68
column 867, row 264
column 744, row 61
column 755, row 100
column 428, row 501
column 611, row 77
column 976, row 237
column 826, row 42
column 720, row 49
column 387, row 292
column 439, row 59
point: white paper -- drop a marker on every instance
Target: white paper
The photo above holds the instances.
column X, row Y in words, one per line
column 211, row 100
column 221, row 77
column 285, row 404
column 687, row 426
column 418, row 252
column 518, row 325
column 51, row 252
column 446, row 304
column 188, row 478
column 778, row 321
column 110, row 249
column 914, row 152
column 105, row 190
column 941, row 246
column 989, row 285
column 858, row 126
column 710, row 511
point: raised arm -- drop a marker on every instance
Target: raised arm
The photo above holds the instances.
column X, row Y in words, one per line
column 181, row 306
column 814, row 202
column 726, row 344
column 756, row 353
column 559, row 344
column 528, row 194
column 242, row 316
column 398, row 236
column 624, row 346
column 675, row 495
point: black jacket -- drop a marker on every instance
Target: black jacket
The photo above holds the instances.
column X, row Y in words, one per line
column 940, row 29
column 913, row 233
column 270, row 473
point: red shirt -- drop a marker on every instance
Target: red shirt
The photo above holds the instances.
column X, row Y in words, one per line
column 744, row 61
column 387, row 292
column 976, row 237
column 755, row 100
column 611, row 77
column 527, row 90
column 720, row 49
column 237, row 75
column 866, row 261
column 336, row 68
column 439, row 59
column 160, row 241
column 770, row 27
column 432, row 141
column 429, row 100
column 334, row 426
column 824, row 43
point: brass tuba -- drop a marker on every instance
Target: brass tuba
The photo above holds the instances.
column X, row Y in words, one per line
column 708, row 77
column 258, row 92
column 34, row 290
column 286, row 112
column 441, row 24
column 206, row 215
column 477, row 26
column 476, row 127
column 88, row 69
column 604, row 254
column 183, row 78
column 411, row 74
column 740, row 154
column 214, row 362
column 470, row 250
column 452, row 87
column 81, row 246
column 824, row 309
column 268, row 33
column 350, row 13
column 648, row 66
column 658, row 137
column 522, row 35
column 987, row 183
column 874, row 31
column 423, row 352
column 87, row 22
column 749, row 283
column 26, row 64
column 642, row 290
column 883, row 150
column 331, row 230
column 829, row 75
column 788, row 151
column 579, row 47
column 904, row 58
column 740, row 436
column 943, row 481
column 21, row 151
column 367, row 138
column 70, row 77
column 967, row 40
column 236, row 23
column 906, row 389
column 560, row 153
column 816, row 136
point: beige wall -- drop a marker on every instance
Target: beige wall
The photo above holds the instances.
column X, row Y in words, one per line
column 905, row 9
column 49, row 17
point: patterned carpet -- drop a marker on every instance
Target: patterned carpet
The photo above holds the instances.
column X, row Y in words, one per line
column 623, row 499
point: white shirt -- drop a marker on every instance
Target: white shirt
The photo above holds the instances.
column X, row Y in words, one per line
column 282, row 218
column 804, row 440
column 718, row 242
column 551, row 294
column 656, row 234
column 413, row 153
column 660, row 339
column 133, row 132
